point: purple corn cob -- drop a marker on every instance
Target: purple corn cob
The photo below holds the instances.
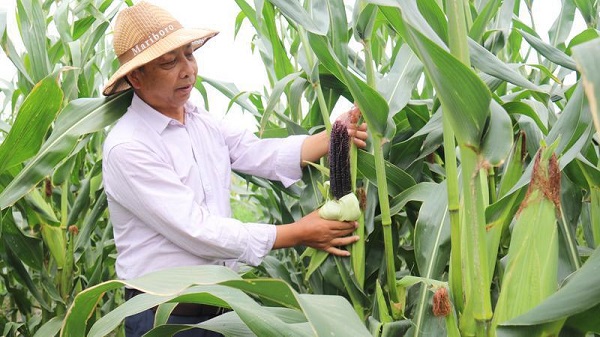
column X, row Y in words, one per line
column 339, row 160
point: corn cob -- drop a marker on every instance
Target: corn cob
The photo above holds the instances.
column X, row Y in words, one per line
column 339, row 161
column 344, row 206
column 530, row 274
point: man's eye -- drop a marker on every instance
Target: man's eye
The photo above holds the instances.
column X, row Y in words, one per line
column 169, row 62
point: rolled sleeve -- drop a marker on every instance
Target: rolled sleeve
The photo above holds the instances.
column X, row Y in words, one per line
column 261, row 239
column 288, row 167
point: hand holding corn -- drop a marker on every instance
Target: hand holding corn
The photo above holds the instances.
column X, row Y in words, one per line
column 317, row 145
column 316, row 232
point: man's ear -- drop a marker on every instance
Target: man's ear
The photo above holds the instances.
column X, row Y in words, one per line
column 133, row 77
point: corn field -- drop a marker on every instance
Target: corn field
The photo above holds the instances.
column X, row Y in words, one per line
column 480, row 184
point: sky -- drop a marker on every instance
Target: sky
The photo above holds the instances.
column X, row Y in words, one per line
column 230, row 59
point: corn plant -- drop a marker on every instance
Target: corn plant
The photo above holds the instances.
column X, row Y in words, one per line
column 469, row 131
column 55, row 236
column 480, row 182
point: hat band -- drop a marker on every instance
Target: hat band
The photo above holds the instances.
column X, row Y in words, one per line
column 150, row 40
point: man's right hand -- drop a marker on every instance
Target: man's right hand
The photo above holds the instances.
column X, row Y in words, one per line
column 318, row 233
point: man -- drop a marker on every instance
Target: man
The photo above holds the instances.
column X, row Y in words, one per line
column 167, row 167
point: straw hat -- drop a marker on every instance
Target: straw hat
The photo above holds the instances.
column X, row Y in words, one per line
column 144, row 32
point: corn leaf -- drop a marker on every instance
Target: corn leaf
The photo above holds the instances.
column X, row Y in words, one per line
column 33, row 120
column 466, row 102
column 32, row 24
column 397, row 85
column 274, row 98
column 397, row 179
column 373, row 107
column 79, row 117
column 26, row 247
column 231, row 91
column 548, row 51
column 217, row 285
column 293, row 11
column 585, row 56
column 50, row 328
column 230, row 324
column 419, row 192
column 489, row 63
column 483, row 19
column 432, row 250
column 522, row 108
column 572, row 130
column 568, row 301
column 561, row 27
column 497, row 141
column 334, row 17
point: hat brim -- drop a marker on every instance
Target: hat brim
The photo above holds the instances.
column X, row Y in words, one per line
column 181, row 37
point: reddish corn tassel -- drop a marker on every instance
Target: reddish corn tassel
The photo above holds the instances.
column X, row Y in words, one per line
column 339, row 160
column 441, row 303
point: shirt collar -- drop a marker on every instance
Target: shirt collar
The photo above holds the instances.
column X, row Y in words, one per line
column 156, row 120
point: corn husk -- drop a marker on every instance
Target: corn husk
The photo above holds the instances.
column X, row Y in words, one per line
column 531, row 271
column 347, row 208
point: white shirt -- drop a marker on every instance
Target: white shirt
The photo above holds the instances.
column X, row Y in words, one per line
column 168, row 188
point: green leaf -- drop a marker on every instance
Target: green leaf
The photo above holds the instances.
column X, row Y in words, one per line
column 325, row 313
column 371, row 104
column 293, row 11
column 432, row 253
column 274, row 98
column 585, row 36
column 50, row 328
column 397, row 179
column 561, row 27
column 435, row 17
column 396, row 86
column 231, row 91
column 489, row 63
column 80, row 117
column 569, row 300
column 36, row 201
column 27, row 248
column 483, row 19
column 32, row 22
column 275, row 56
column 586, row 57
column 363, row 20
column 522, row 108
column 465, row 97
column 24, row 277
column 548, row 51
column 32, row 122
column 589, row 11
column 572, row 129
column 338, row 27
column 498, row 140
column 91, row 222
column 419, row 192
column 217, row 285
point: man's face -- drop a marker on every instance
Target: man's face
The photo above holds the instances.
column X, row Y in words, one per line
column 166, row 82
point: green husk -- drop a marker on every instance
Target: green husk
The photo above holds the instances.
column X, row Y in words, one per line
column 531, row 271
column 347, row 208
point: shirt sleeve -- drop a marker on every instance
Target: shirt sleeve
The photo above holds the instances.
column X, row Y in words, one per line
column 150, row 189
column 271, row 158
